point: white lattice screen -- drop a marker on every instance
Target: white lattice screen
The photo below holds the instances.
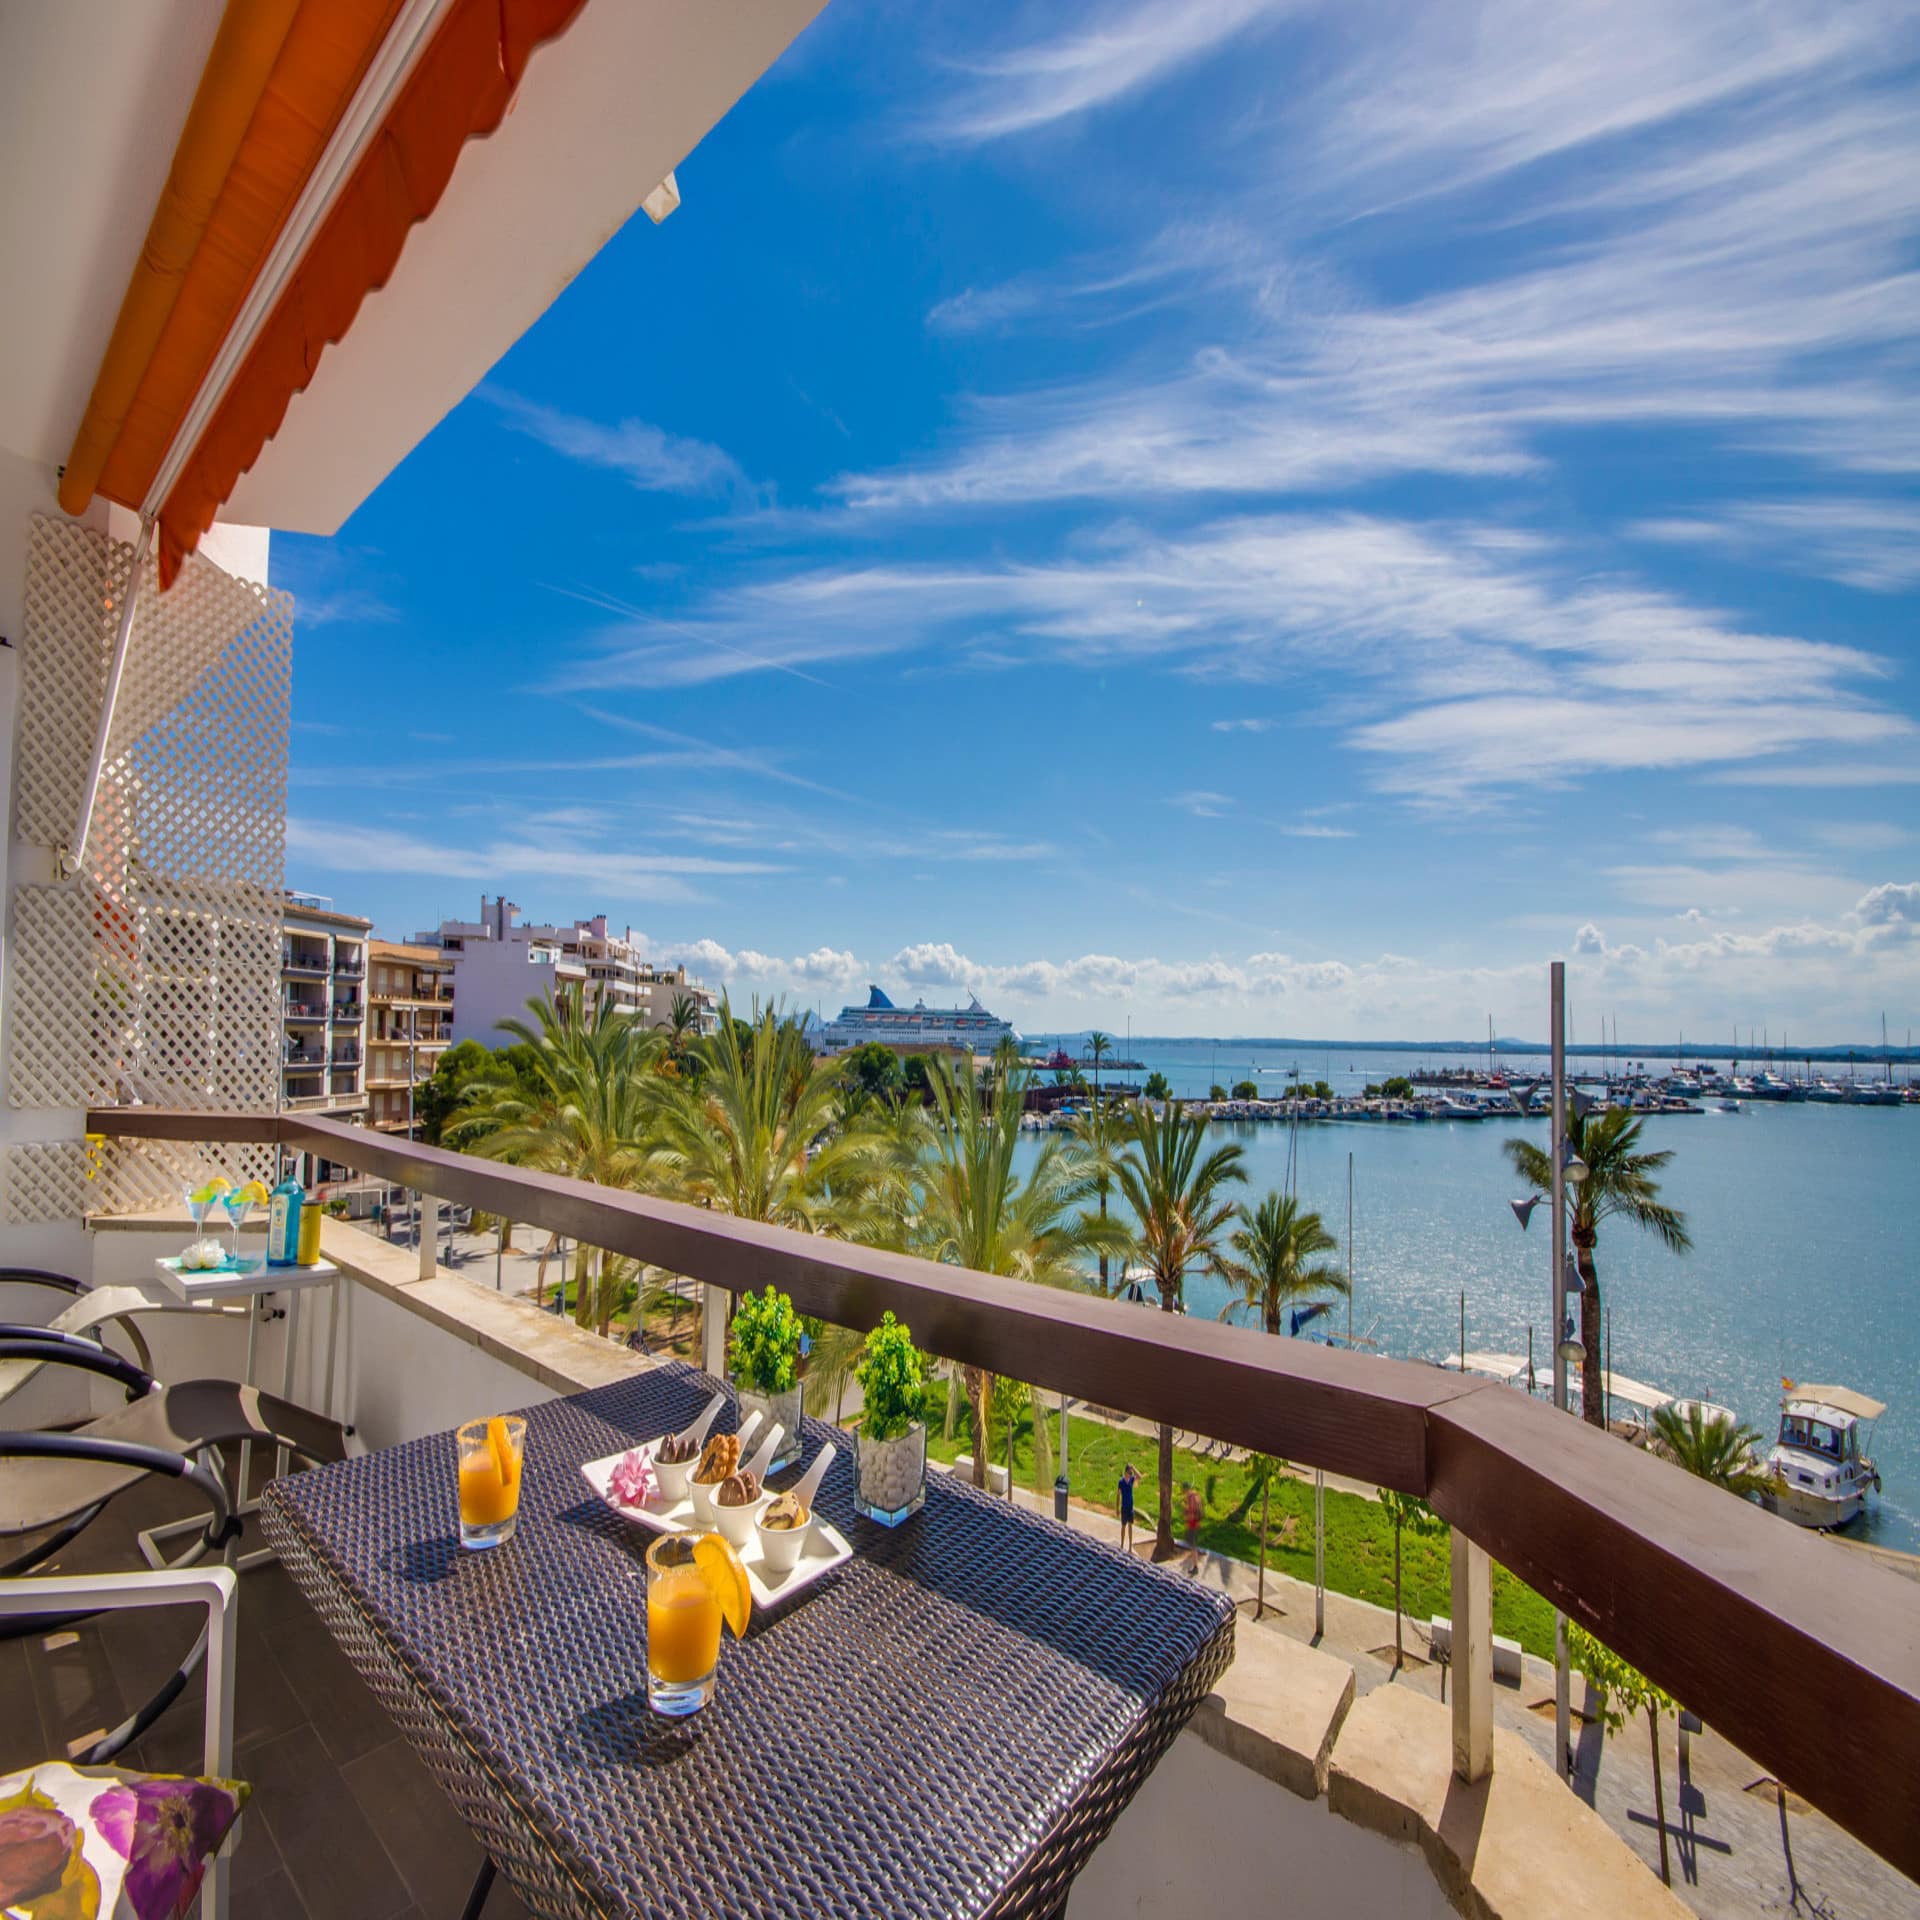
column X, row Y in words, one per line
column 154, row 972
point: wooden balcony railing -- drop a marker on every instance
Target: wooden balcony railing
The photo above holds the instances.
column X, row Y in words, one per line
column 1805, row 1656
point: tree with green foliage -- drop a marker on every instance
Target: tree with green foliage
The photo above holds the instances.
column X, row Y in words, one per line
column 1397, row 1087
column 1407, row 1511
column 583, row 1108
column 1624, row 1691
column 759, row 1135
column 682, row 1029
column 873, row 1072
column 1619, row 1184
column 975, row 1210
column 1719, row 1449
column 1275, row 1261
column 1262, row 1470
column 1178, row 1192
column 1099, row 1045
column 1101, row 1133
column 915, row 1081
column 1216, row 1091
column 1158, row 1086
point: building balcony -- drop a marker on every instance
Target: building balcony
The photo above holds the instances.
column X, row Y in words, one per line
column 349, row 969
column 305, row 968
column 348, row 1012
column 1302, row 1770
column 304, row 1010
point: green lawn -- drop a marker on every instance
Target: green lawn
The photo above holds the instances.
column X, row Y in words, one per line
column 1359, row 1534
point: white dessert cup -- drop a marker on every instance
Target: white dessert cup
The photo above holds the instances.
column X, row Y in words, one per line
column 781, row 1547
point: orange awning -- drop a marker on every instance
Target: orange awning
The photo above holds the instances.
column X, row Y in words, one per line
column 179, row 311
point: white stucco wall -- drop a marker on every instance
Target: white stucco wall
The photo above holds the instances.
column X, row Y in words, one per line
column 492, row 981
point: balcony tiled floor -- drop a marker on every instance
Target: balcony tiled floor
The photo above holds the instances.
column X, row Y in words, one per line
column 345, row 1823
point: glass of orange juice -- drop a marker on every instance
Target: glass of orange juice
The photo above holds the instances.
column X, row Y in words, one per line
column 694, row 1582
column 491, row 1456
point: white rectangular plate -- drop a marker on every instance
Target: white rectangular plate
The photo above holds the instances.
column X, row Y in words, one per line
column 826, row 1547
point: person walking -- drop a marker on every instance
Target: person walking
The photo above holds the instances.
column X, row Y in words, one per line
column 1194, row 1509
column 1129, row 1475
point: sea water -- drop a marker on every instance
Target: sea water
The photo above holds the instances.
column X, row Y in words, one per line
column 1804, row 1265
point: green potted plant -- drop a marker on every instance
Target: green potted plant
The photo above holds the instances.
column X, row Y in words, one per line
column 763, row 1358
column 890, row 1449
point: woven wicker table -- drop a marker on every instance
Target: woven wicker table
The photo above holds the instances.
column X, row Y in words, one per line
column 947, row 1725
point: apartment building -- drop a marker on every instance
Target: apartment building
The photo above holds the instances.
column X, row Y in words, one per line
column 499, row 963
column 323, row 1009
column 409, row 1026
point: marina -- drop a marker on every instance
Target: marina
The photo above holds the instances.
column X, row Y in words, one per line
column 1802, row 1266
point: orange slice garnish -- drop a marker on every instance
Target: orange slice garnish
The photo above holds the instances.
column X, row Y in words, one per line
column 501, row 1447
column 726, row 1579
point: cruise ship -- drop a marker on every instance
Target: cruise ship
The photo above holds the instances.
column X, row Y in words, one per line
column 919, row 1025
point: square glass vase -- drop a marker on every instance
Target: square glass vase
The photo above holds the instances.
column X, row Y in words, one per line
column 783, row 1407
column 890, row 1476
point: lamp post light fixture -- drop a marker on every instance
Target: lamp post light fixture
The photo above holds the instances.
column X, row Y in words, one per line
column 1569, row 1170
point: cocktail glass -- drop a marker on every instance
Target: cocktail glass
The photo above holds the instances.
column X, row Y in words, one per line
column 492, row 1453
column 683, row 1628
column 239, row 1209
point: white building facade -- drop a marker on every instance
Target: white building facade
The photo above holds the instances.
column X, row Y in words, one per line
column 498, row 963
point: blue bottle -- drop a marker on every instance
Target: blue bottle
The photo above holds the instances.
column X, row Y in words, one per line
column 283, row 1223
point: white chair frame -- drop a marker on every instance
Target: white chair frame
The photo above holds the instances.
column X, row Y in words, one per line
column 217, row 1589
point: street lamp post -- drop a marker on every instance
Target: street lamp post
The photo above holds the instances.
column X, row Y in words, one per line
column 1557, row 1014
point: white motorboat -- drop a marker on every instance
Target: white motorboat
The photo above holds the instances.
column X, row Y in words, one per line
column 1822, row 1473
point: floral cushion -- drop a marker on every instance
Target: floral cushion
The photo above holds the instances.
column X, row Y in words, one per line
column 94, row 1843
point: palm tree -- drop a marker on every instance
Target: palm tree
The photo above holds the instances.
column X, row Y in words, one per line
column 1619, row 1183
column 582, row 1108
column 757, row 1135
column 1099, row 1045
column 1177, row 1192
column 1718, row 1449
column 1405, row 1510
column 1262, row 1471
column 1272, row 1248
column 1100, row 1133
column 975, row 1211
column 683, row 1026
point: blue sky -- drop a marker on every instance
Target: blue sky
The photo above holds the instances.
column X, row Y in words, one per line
column 1247, row 518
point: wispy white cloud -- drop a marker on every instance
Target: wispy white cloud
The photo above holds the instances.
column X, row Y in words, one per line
column 1201, row 804
column 647, row 456
column 1121, row 52
column 1242, row 726
column 1477, row 658
column 1866, row 543
column 518, row 858
column 1705, row 217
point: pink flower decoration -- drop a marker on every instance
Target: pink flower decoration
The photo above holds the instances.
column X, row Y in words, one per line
column 167, row 1830
column 633, row 1480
